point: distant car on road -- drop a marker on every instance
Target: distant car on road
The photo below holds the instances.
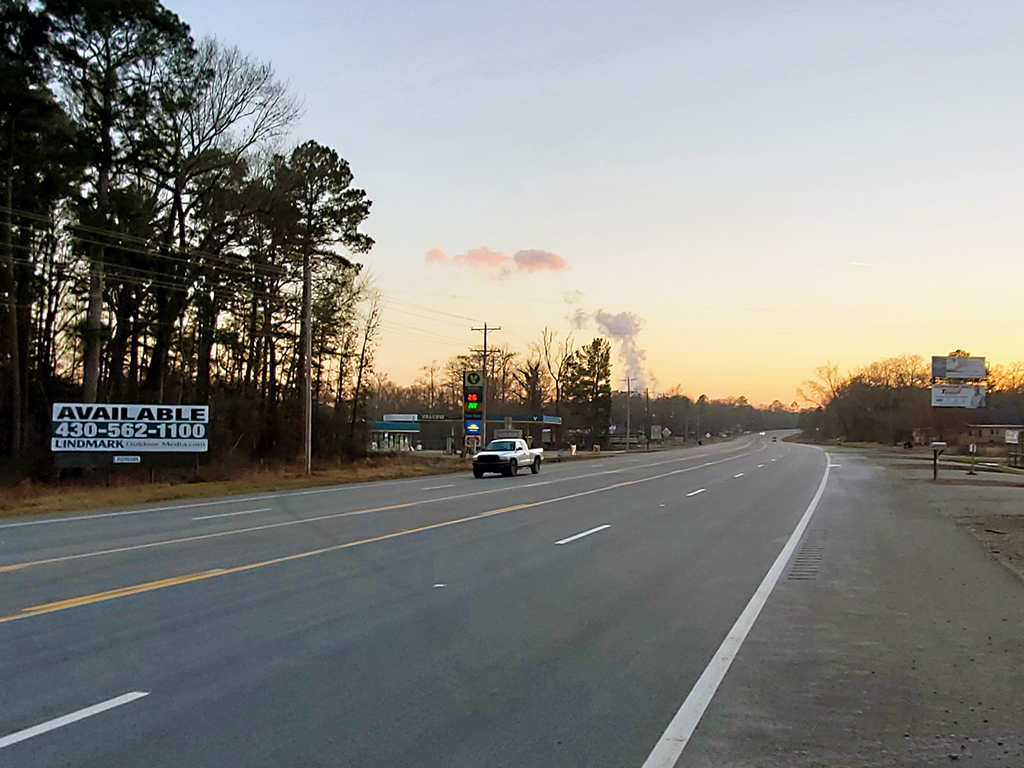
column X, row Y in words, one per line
column 506, row 456
column 761, row 434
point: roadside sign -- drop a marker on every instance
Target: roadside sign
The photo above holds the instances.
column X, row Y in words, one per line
column 958, row 396
column 134, row 429
column 473, row 379
column 473, row 426
column 400, row 417
column 958, row 368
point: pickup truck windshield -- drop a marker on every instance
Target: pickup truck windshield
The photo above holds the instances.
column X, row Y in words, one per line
column 501, row 445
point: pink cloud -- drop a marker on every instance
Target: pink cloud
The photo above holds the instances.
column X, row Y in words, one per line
column 498, row 265
column 535, row 259
column 483, row 258
column 437, row 256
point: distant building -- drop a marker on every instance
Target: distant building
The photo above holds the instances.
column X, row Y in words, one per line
column 990, row 439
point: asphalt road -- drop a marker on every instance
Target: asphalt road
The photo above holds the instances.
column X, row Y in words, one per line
column 439, row 621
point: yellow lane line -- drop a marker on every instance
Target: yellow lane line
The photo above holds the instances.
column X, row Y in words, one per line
column 113, row 594
column 318, row 518
column 187, row 539
column 98, row 597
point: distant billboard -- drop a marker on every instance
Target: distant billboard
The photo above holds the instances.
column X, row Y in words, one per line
column 958, row 368
column 958, row 396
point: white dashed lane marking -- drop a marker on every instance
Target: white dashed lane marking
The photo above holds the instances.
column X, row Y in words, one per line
column 73, row 717
column 581, row 535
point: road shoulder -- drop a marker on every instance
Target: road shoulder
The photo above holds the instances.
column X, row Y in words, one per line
column 901, row 645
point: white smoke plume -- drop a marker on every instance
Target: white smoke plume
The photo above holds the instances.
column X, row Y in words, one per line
column 579, row 320
column 622, row 328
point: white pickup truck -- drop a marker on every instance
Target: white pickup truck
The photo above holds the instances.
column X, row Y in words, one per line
column 507, row 456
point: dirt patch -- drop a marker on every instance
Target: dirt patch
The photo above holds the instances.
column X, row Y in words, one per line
column 973, row 481
column 1003, row 538
column 92, row 492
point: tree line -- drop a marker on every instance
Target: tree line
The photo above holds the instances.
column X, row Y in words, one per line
column 889, row 401
column 158, row 244
column 555, row 377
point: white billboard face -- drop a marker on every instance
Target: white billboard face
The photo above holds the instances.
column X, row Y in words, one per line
column 956, row 396
column 135, row 428
column 958, row 368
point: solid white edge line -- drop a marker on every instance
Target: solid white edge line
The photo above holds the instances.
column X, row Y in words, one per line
column 60, row 722
column 675, row 738
column 694, row 493
column 581, row 535
column 232, row 514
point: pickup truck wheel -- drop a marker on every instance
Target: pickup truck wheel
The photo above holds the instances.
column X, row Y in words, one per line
column 513, row 468
column 535, row 467
column 478, row 473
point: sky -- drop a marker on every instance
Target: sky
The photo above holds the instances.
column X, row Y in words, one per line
column 734, row 192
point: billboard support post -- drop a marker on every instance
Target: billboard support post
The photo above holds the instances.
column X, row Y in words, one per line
column 937, row 449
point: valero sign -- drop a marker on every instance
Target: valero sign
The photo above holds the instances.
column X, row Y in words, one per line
column 78, row 427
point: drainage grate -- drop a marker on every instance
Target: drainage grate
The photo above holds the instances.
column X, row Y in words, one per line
column 807, row 561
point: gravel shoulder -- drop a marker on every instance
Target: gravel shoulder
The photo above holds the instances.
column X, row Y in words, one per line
column 988, row 504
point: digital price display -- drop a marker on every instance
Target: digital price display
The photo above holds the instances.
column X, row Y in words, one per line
column 129, row 428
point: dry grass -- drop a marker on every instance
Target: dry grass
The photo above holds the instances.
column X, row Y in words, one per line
column 130, row 488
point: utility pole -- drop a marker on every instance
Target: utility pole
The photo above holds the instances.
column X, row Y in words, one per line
column 483, row 423
column 629, row 395
column 307, row 364
column 647, row 425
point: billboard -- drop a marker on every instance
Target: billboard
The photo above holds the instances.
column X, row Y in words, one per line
column 958, row 396
column 958, row 368
column 139, row 428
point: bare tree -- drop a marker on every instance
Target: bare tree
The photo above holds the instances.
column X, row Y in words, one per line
column 429, row 380
column 824, row 389
column 370, row 330
column 557, row 357
column 1007, row 377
